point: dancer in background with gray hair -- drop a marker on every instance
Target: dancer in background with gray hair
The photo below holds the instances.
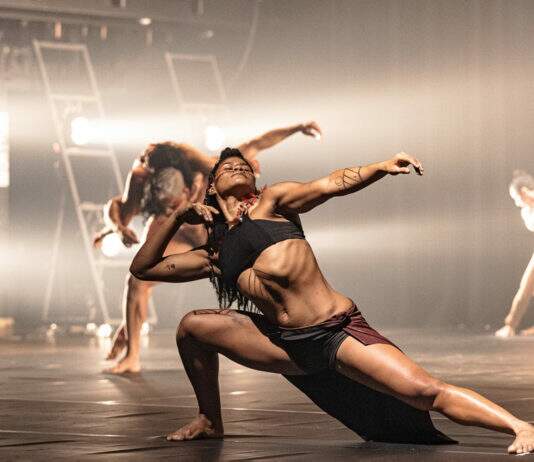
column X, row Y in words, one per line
column 165, row 176
column 522, row 192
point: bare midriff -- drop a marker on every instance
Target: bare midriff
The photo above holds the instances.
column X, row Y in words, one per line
column 287, row 286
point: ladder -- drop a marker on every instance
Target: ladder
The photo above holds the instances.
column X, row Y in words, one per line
column 74, row 92
column 199, row 89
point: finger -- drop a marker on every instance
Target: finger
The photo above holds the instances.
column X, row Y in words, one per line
column 206, row 215
column 212, row 209
column 316, row 127
column 411, row 160
column 207, row 212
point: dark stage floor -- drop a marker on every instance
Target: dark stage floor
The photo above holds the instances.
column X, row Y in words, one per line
column 55, row 404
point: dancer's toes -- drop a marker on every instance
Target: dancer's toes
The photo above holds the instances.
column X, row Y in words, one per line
column 125, row 366
column 524, row 442
column 199, row 427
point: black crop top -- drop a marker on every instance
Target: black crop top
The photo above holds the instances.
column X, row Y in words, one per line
column 247, row 240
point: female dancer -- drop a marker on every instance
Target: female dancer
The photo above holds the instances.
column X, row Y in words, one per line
column 165, row 175
column 522, row 192
column 256, row 252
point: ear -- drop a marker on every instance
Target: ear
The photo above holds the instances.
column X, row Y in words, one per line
column 211, row 190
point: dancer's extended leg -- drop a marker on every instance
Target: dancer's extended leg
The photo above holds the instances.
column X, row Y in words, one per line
column 385, row 368
column 201, row 335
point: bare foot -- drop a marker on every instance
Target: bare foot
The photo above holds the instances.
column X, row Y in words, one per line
column 505, row 332
column 199, row 427
column 529, row 331
column 119, row 344
column 524, row 441
column 124, row 366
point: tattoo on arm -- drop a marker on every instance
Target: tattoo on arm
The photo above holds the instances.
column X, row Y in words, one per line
column 348, row 178
column 171, row 267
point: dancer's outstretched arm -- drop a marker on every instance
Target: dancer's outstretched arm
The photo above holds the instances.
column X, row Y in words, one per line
column 120, row 210
column 149, row 263
column 250, row 149
column 294, row 197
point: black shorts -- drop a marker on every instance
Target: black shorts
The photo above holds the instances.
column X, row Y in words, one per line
column 314, row 348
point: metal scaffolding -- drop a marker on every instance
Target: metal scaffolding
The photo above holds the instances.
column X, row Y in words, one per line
column 68, row 96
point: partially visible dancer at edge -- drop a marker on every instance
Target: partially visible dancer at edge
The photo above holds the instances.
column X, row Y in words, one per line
column 522, row 192
column 256, row 253
column 163, row 177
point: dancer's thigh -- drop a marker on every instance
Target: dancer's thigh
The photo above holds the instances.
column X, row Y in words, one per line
column 239, row 337
column 387, row 369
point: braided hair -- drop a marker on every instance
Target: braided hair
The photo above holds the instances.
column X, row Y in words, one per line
column 226, row 293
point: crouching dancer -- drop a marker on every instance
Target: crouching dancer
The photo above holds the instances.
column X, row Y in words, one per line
column 256, row 253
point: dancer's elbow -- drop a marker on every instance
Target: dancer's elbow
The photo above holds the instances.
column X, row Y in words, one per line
column 138, row 272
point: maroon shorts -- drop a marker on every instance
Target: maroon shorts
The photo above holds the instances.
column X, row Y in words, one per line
column 314, row 348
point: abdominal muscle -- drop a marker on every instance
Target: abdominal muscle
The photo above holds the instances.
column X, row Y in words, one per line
column 286, row 284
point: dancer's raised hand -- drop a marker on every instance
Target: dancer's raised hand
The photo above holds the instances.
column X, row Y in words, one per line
column 400, row 163
column 311, row 129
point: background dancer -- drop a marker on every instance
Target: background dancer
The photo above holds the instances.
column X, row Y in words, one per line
column 165, row 176
column 256, row 252
column 522, row 192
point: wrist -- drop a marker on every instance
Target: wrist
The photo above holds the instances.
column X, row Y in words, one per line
column 382, row 167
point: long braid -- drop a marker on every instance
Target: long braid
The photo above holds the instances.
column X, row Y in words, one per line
column 227, row 294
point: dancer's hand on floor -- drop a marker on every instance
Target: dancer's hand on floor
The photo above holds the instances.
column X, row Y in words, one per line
column 400, row 163
column 128, row 236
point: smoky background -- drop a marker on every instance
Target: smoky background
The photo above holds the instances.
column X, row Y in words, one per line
column 447, row 81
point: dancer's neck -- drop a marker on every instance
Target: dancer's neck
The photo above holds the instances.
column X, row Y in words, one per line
column 235, row 208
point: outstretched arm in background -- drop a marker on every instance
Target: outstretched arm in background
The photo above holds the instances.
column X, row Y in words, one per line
column 203, row 163
column 251, row 148
column 120, row 210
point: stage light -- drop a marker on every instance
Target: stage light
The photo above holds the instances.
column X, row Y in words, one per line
column 111, row 245
column 214, row 137
column 104, row 331
column 90, row 328
column 80, row 131
column 145, row 21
